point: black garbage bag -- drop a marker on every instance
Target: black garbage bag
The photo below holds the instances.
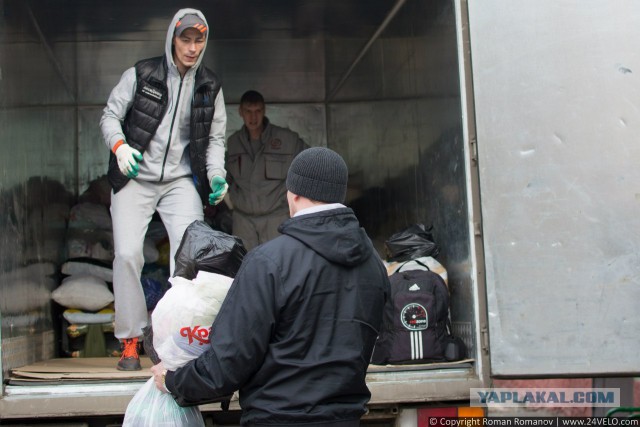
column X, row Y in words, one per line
column 204, row 249
column 147, row 345
column 414, row 242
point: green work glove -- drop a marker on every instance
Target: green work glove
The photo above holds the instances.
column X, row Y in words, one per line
column 219, row 187
column 128, row 159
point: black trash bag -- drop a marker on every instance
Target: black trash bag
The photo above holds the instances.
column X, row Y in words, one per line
column 204, row 249
column 147, row 345
column 414, row 242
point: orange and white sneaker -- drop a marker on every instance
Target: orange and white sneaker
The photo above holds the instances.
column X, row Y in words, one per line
column 130, row 360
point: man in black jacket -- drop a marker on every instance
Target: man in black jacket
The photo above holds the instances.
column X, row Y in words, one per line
column 296, row 331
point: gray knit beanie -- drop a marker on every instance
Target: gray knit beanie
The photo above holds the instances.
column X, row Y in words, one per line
column 320, row 174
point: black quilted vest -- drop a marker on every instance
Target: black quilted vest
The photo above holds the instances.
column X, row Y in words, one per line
column 148, row 109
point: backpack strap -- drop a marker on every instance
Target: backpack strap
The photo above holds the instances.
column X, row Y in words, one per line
column 414, row 260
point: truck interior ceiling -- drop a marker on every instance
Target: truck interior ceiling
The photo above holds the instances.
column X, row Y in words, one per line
column 378, row 81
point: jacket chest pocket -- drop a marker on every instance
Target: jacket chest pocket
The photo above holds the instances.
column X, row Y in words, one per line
column 234, row 165
column 276, row 166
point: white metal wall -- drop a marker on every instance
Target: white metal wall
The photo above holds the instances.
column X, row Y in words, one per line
column 556, row 101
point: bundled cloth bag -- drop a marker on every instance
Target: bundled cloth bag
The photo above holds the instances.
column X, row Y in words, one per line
column 181, row 325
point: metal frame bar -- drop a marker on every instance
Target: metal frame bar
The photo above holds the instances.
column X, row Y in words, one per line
column 392, row 13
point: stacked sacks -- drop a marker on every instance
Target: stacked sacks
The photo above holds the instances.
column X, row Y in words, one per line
column 89, row 232
column 33, row 220
column 88, row 316
column 86, row 294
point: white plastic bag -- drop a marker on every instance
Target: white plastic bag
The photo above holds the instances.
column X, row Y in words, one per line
column 182, row 319
column 152, row 408
column 181, row 323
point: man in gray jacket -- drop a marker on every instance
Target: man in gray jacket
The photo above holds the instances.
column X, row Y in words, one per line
column 164, row 124
column 258, row 157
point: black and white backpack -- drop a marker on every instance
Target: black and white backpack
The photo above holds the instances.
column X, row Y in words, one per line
column 416, row 326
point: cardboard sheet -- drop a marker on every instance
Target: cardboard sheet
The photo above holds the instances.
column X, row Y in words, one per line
column 89, row 368
column 77, row 370
column 421, row 367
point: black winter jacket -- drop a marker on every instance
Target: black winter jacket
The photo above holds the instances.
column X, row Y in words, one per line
column 296, row 331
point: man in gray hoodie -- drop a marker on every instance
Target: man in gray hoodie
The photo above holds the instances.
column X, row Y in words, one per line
column 164, row 124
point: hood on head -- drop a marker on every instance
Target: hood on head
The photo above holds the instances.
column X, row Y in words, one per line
column 168, row 50
column 335, row 235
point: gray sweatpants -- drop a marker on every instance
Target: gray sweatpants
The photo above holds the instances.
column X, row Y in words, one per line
column 132, row 208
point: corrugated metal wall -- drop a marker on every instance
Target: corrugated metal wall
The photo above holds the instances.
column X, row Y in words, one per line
column 395, row 115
